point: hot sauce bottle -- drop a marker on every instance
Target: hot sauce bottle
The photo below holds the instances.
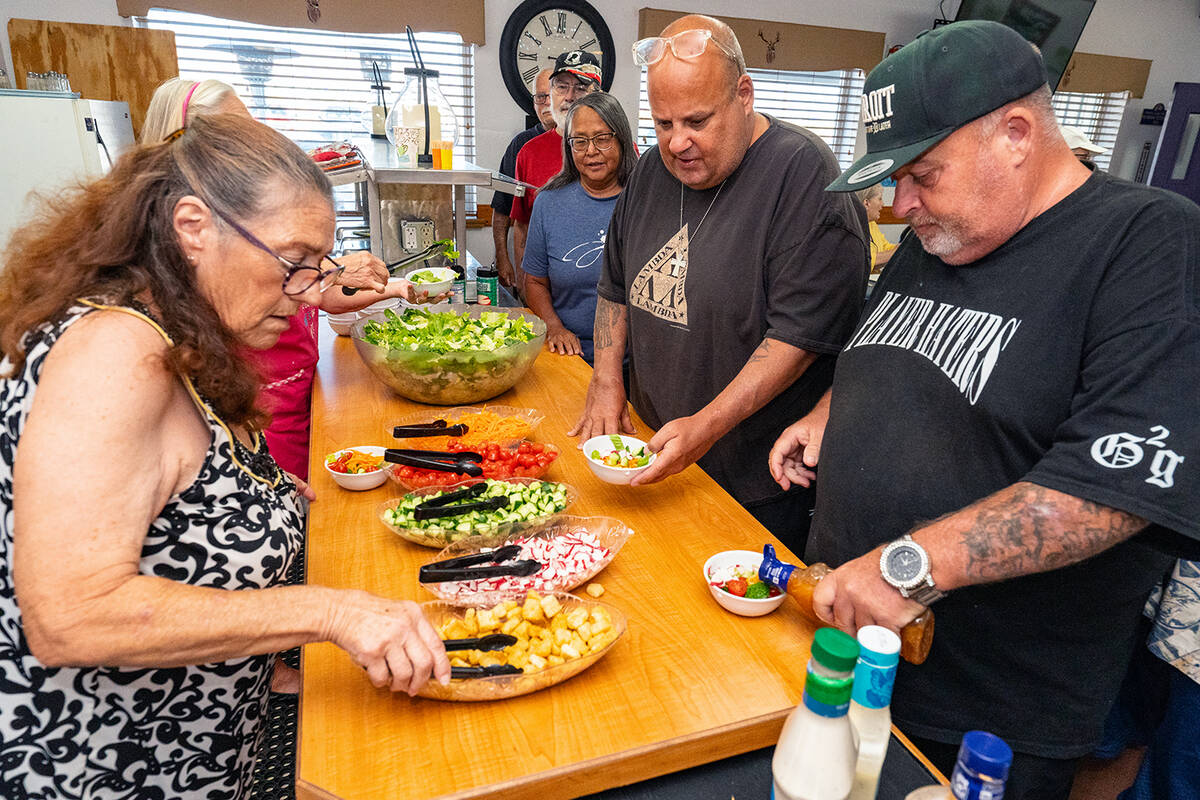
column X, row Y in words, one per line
column 800, row 582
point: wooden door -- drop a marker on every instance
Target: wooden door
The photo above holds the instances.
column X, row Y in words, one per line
column 103, row 62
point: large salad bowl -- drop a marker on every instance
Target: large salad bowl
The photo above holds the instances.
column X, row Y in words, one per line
column 439, row 368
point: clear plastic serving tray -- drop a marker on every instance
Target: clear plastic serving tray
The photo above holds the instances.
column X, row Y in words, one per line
column 500, row 687
column 610, row 533
column 440, row 535
column 530, row 416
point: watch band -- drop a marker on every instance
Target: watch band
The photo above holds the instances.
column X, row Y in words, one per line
column 926, row 594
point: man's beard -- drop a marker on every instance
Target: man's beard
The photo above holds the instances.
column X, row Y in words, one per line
column 945, row 239
column 560, row 117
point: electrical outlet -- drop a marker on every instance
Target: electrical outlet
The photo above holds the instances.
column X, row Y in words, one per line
column 416, row 235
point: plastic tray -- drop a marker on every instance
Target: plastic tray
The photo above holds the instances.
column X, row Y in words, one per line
column 393, row 470
column 500, row 687
column 609, row 532
column 452, row 415
column 442, row 536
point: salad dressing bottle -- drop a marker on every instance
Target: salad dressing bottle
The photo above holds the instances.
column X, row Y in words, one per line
column 815, row 757
column 800, row 582
column 870, row 701
column 979, row 773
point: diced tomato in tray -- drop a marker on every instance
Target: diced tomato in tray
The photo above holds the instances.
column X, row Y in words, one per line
column 526, row 460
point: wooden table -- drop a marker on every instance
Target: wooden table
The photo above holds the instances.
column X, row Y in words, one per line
column 689, row 683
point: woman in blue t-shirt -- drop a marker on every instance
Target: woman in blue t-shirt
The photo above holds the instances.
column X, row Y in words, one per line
column 570, row 222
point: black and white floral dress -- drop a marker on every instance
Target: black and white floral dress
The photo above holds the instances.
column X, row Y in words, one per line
column 102, row 733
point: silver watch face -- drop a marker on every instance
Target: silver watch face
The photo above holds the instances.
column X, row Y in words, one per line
column 905, row 564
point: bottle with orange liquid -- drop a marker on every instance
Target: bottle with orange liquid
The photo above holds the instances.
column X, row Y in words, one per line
column 800, row 582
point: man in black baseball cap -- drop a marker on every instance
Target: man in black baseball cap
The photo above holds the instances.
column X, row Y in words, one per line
column 580, row 63
column 1024, row 376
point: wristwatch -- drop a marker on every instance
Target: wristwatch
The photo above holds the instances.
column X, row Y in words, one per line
column 905, row 565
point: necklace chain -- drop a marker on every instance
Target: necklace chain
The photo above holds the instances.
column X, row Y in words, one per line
column 710, row 205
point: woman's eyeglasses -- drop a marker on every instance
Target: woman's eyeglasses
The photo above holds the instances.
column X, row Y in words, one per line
column 685, row 44
column 297, row 278
column 603, row 141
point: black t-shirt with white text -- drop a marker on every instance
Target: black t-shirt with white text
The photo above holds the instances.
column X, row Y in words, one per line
column 1069, row 358
column 707, row 275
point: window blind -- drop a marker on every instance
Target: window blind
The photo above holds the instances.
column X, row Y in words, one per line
column 826, row 103
column 1097, row 115
column 313, row 85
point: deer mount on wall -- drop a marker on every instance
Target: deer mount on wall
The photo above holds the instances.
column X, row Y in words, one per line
column 770, row 45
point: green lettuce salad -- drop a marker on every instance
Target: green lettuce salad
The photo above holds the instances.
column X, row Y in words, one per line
column 447, row 356
column 447, row 331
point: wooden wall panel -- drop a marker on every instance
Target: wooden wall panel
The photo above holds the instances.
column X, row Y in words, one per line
column 103, row 62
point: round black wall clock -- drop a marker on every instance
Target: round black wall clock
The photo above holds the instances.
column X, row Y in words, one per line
column 539, row 30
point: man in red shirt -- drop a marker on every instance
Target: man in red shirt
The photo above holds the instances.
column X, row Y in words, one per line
column 576, row 73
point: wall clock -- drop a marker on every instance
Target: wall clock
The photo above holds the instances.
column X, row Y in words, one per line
column 539, row 30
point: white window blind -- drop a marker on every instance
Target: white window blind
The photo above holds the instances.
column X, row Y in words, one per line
column 827, row 103
column 1097, row 115
column 313, row 86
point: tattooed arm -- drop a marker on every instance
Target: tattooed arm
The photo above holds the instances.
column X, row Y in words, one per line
column 771, row 368
column 1019, row 530
column 605, row 410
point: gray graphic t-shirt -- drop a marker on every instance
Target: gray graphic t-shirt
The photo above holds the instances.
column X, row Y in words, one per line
column 773, row 255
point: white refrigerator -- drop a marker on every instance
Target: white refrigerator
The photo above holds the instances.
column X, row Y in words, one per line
column 50, row 140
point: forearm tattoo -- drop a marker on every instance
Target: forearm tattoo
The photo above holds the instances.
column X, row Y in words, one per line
column 761, row 352
column 609, row 316
column 1028, row 528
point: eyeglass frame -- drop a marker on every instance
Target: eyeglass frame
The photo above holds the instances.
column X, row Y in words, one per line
column 325, row 278
column 592, row 140
column 578, row 86
column 670, row 44
column 545, row 98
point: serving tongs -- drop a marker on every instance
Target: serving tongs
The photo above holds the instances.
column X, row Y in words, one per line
column 404, row 262
column 441, row 506
column 464, row 463
column 461, row 673
column 436, row 428
column 493, row 641
column 494, row 564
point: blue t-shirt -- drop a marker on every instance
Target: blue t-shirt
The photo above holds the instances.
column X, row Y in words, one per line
column 566, row 244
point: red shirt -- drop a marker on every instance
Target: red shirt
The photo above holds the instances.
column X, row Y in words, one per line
column 287, row 372
column 539, row 161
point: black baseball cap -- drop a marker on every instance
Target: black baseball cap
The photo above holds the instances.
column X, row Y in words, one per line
column 580, row 63
column 933, row 86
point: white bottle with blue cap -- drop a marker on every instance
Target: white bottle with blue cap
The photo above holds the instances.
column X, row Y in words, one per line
column 979, row 773
column 870, row 705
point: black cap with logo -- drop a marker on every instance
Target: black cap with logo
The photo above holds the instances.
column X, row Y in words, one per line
column 933, row 86
column 580, row 63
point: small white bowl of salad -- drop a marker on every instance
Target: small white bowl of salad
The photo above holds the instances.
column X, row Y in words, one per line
column 617, row 458
column 433, row 281
column 357, row 468
column 732, row 578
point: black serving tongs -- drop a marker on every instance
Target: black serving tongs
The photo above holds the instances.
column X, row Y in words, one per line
column 463, row 463
column 493, row 641
column 462, row 673
column 494, row 564
column 395, row 265
column 441, row 506
column 436, row 428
